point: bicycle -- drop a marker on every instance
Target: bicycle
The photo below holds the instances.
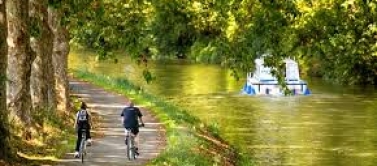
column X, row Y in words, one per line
column 83, row 143
column 130, row 143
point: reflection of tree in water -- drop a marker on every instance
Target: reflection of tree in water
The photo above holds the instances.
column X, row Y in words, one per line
column 182, row 78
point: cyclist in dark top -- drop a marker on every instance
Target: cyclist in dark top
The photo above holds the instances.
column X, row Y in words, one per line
column 130, row 120
column 82, row 122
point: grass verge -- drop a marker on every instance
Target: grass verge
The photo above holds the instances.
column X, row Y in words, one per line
column 189, row 141
column 54, row 138
column 51, row 141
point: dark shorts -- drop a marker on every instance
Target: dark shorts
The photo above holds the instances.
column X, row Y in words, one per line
column 83, row 125
column 134, row 131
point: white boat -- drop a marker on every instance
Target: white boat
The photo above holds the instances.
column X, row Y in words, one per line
column 262, row 82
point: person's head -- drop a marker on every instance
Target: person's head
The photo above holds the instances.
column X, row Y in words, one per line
column 131, row 104
column 83, row 105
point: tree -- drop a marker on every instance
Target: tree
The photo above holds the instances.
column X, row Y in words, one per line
column 60, row 57
column 41, row 44
column 4, row 128
column 19, row 64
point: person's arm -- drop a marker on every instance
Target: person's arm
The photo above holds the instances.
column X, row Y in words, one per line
column 140, row 118
column 89, row 117
column 75, row 124
column 122, row 116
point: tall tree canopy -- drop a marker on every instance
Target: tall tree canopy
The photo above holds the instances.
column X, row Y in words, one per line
column 333, row 39
column 338, row 35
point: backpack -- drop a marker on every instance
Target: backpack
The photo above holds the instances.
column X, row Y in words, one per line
column 82, row 116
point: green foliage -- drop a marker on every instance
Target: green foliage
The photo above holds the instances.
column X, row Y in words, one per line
column 181, row 151
column 3, row 78
column 214, row 129
column 172, row 35
column 343, row 42
column 120, row 26
column 206, row 51
column 148, row 76
column 55, row 3
column 334, row 39
column 49, row 118
column 35, row 29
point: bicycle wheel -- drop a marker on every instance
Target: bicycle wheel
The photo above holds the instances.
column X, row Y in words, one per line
column 130, row 150
column 133, row 148
column 82, row 149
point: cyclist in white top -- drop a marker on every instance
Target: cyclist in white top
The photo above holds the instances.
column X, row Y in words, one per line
column 82, row 122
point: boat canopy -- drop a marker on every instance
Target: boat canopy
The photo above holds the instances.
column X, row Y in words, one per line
column 263, row 73
column 291, row 70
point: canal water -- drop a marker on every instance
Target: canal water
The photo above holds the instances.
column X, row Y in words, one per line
column 335, row 126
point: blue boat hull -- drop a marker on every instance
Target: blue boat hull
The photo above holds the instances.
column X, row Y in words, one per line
column 273, row 88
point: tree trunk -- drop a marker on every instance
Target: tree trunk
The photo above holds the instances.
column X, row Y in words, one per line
column 4, row 129
column 60, row 58
column 52, row 102
column 41, row 44
column 19, row 64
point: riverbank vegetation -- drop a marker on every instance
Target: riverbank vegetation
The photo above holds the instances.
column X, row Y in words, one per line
column 188, row 139
column 55, row 138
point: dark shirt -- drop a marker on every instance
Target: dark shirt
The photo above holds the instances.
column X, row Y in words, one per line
column 131, row 115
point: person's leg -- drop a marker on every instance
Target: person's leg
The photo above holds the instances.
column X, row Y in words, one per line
column 79, row 137
column 137, row 141
column 125, row 136
column 88, row 133
column 135, row 133
column 88, row 137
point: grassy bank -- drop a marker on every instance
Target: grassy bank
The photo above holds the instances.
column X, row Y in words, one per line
column 189, row 141
column 54, row 138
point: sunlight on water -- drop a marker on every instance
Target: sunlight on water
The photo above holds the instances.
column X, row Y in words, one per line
column 335, row 126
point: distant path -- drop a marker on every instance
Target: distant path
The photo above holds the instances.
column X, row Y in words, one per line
column 109, row 149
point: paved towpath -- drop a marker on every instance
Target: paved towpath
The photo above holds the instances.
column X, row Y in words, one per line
column 109, row 149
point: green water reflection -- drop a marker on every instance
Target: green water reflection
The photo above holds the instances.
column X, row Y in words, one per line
column 336, row 126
